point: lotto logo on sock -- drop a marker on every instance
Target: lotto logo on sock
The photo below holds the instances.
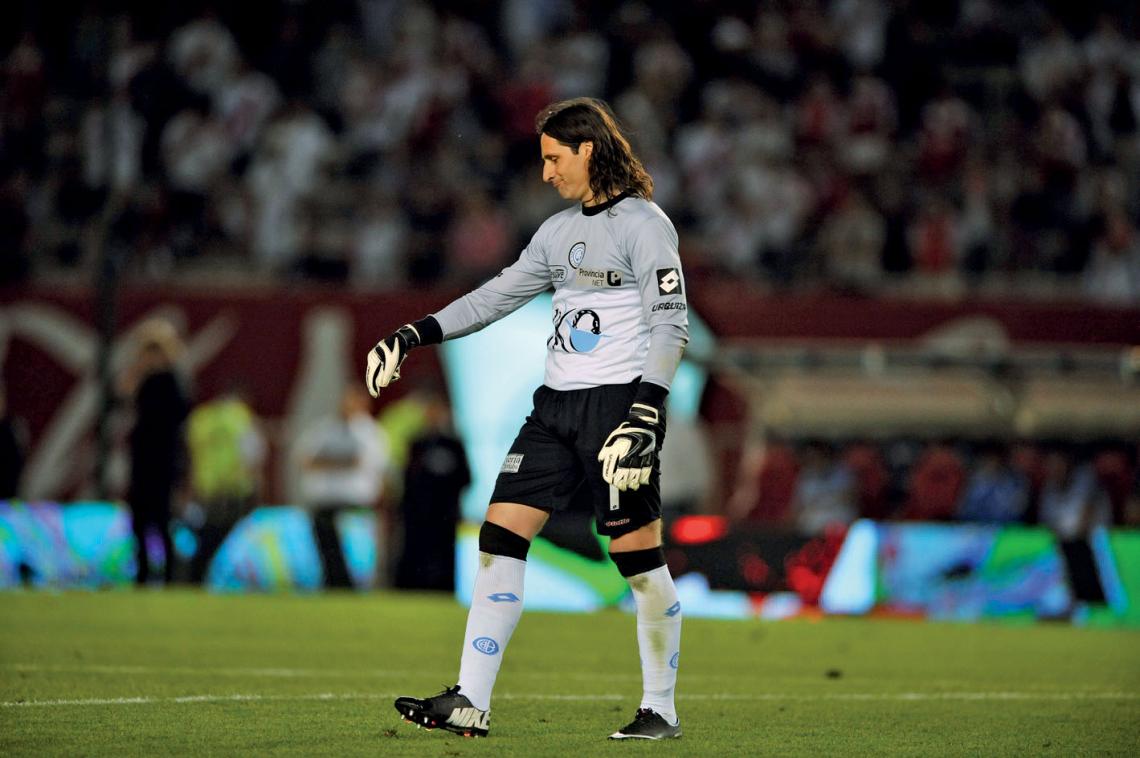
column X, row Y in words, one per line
column 674, row 609
column 675, row 660
column 488, row 646
column 503, row 597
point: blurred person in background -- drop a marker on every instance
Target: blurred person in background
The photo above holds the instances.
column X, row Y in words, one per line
column 1073, row 502
column 227, row 452
column 934, row 483
column 13, row 449
column 343, row 460
column 1113, row 273
column 157, row 443
column 765, row 481
column 687, row 455
column 434, row 478
column 995, row 492
column 620, row 327
column 825, row 491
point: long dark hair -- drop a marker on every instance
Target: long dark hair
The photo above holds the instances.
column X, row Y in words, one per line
column 613, row 166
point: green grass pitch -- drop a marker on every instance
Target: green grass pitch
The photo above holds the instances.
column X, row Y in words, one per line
column 186, row 673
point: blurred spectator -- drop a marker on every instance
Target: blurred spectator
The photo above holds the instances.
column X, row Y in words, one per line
column 434, row 478
column 13, row 449
column 757, row 127
column 1115, row 465
column 1050, row 63
column 824, row 495
column 935, row 484
column 343, row 460
column 15, row 228
column 995, row 492
column 157, row 443
column 948, row 125
column 227, row 454
column 687, row 454
column 479, row 240
column 872, row 478
column 851, row 243
column 1073, row 502
column 871, row 121
column 766, row 482
column 1113, row 273
column 934, row 245
column 1072, row 499
column 204, row 52
column 380, row 243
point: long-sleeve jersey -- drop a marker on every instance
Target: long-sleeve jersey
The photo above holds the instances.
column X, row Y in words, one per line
column 619, row 295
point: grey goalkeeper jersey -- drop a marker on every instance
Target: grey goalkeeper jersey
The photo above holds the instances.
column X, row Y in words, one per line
column 619, row 295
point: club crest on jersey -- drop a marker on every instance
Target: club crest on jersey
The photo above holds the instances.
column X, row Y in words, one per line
column 577, row 253
column 668, row 281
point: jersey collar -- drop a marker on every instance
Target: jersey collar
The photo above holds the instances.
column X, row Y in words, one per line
column 594, row 210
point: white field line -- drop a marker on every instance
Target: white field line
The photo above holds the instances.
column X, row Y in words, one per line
column 273, row 673
column 761, row 696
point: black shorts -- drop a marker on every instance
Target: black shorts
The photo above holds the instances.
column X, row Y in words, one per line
column 556, row 454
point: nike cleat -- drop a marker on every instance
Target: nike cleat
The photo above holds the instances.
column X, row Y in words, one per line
column 448, row 710
column 647, row 725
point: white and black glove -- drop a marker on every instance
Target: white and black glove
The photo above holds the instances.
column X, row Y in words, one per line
column 384, row 360
column 630, row 452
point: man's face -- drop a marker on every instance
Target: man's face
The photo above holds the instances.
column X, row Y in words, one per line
column 567, row 171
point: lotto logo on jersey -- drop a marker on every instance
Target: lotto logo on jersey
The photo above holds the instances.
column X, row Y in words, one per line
column 668, row 281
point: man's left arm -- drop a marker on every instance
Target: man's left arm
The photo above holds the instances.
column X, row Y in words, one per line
column 632, row 449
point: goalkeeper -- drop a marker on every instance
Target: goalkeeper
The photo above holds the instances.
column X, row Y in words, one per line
column 620, row 326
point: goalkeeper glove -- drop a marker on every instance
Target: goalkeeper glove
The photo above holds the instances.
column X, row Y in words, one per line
column 384, row 360
column 631, row 450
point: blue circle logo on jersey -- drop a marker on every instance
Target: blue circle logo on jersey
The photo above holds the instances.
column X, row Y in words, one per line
column 577, row 253
column 485, row 645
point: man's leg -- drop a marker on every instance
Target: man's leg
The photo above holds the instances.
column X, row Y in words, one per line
column 496, row 605
column 139, row 522
column 641, row 560
column 496, row 602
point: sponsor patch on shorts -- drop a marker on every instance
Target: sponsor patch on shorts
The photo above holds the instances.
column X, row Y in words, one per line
column 511, row 463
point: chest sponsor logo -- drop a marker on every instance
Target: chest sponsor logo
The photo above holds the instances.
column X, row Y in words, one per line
column 597, row 278
column 577, row 253
column 576, row 331
column 668, row 281
column 557, row 273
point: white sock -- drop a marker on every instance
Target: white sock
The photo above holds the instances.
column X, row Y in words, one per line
column 496, row 605
column 658, row 638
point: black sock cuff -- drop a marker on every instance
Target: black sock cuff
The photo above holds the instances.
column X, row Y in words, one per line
column 496, row 540
column 639, row 561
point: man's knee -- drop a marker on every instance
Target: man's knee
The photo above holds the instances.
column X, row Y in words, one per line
column 498, row 540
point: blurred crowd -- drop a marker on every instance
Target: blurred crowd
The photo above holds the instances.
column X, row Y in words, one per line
column 813, row 486
column 855, row 144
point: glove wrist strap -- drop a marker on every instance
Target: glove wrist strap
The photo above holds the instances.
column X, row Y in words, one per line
column 650, row 394
column 429, row 331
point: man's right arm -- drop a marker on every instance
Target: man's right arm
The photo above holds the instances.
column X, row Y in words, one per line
column 512, row 288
